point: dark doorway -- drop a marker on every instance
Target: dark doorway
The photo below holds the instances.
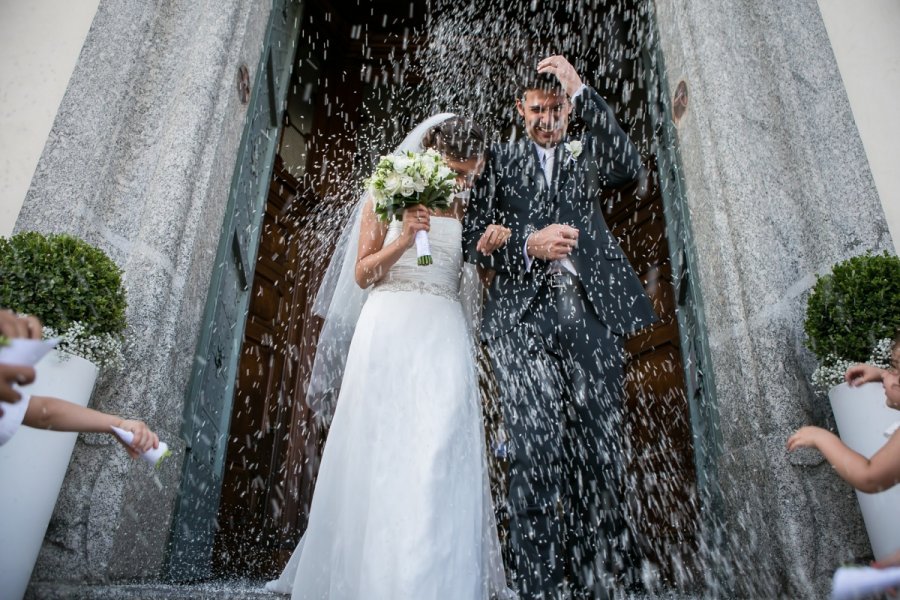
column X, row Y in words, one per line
column 268, row 477
column 359, row 65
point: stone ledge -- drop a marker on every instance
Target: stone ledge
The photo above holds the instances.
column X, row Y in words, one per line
column 242, row 589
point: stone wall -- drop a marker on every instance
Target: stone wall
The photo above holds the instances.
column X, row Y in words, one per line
column 778, row 188
column 139, row 162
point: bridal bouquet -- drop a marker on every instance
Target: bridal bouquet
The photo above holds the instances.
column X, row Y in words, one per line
column 410, row 178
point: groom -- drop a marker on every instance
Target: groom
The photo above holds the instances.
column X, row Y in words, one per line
column 563, row 298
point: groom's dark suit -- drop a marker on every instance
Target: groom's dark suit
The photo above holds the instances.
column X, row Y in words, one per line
column 555, row 341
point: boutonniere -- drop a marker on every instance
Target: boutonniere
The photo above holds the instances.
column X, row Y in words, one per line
column 574, row 147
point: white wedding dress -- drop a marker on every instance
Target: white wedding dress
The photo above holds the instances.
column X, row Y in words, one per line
column 401, row 508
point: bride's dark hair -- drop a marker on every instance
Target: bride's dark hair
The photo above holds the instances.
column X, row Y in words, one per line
column 457, row 137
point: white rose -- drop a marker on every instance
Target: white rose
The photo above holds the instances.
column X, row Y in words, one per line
column 407, row 186
column 443, row 173
column 392, row 184
column 401, row 163
column 574, row 147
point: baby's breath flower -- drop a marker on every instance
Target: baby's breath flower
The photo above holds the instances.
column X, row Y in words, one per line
column 831, row 372
column 104, row 350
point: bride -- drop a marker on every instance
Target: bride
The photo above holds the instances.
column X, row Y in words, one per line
column 401, row 508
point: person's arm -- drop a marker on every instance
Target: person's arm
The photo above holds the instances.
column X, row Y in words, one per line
column 505, row 256
column 618, row 158
column 879, row 473
column 488, row 241
column 497, row 246
column 46, row 412
column 374, row 259
column 479, row 214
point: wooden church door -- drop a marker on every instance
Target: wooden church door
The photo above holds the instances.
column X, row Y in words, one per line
column 208, row 406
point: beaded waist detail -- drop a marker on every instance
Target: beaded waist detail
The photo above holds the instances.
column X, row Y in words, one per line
column 423, row 287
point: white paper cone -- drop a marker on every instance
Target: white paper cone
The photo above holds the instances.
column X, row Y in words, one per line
column 24, row 352
column 153, row 456
column 423, row 248
column 861, row 582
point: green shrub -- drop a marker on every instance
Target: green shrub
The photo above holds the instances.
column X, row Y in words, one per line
column 62, row 280
column 854, row 307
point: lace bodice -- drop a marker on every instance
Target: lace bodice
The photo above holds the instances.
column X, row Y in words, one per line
column 440, row 278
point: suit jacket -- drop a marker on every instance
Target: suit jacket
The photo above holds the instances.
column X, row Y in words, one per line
column 512, row 191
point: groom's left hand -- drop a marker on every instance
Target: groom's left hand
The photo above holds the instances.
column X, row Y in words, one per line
column 564, row 71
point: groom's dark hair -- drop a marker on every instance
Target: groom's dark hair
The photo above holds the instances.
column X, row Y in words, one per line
column 458, row 137
column 525, row 69
column 532, row 80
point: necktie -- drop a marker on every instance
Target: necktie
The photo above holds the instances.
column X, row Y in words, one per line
column 547, row 164
column 563, row 264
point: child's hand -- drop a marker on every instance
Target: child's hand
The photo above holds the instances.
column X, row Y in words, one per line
column 805, row 437
column 144, row 439
column 20, row 326
column 860, row 374
column 13, row 374
column 891, row 561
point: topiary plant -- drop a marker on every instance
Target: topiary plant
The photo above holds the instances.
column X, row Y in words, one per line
column 852, row 311
column 73, row 287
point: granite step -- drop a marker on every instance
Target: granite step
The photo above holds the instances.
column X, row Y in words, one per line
column 242, row 589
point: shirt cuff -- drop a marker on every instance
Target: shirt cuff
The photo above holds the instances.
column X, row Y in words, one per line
column 528, row 260
column 578, row 91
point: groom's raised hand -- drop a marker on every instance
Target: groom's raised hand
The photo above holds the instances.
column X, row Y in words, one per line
column 564, row 71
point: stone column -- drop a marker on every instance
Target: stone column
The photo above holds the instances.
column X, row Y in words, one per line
column 139, row 162
column 779, row 189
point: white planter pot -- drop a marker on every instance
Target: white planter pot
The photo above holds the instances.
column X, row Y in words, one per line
column 862, row 417
column 32, row 467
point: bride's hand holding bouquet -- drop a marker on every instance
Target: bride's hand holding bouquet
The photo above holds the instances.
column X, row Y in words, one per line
column 415, row 219
column 403, row 181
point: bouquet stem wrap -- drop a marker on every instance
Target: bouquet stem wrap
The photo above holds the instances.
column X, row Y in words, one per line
column 423, row 249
